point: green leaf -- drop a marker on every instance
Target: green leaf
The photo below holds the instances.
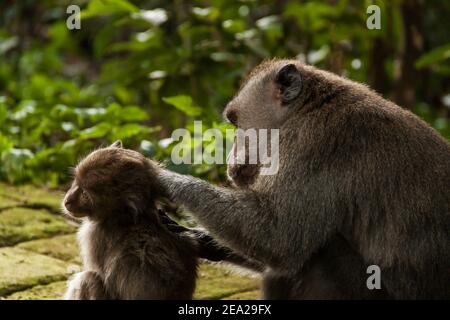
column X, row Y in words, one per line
column 24, row 109
column 436, row 55
column 271, row 26
column 312, row 16
column 234, row 26
column 133, row 113
column 128, row 130
column 107, row 7
column 208, row 14
column 184, row 104
column 3, row 113
column 103, row 38
column 154, row 17
column 7, row 44
column 98, row 131
column 5, row 144
column 147, row 148
column 14, row 164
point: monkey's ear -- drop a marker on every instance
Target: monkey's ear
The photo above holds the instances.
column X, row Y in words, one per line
column 289, row 82
column 133, row 207
column 117, row 144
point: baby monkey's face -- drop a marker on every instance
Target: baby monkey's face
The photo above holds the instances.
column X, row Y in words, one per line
column 110, row 181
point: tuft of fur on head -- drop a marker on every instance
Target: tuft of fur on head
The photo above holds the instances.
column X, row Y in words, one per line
column 113, row 182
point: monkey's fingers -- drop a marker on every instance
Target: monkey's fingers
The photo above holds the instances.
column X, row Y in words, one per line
column 208, row 248
column 171, row 224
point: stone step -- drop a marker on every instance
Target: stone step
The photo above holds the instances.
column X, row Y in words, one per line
column 52, row 291
column 246, row 295
column 217, row 281
column 225, row 285
column 21, row 269
column 30, row 195
column 22, row 224
column 7, row 202
column 63, row 247
column 46, row 252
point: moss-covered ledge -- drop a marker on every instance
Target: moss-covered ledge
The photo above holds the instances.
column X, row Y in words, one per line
column 21, row 269
column 39, row 252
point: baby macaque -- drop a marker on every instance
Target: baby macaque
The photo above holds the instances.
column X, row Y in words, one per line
column 127, row 251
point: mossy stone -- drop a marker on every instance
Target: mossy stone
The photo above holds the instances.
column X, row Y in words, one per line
column 63, row 247
column 21, row 269
column 31, row 195
column 21, row 224
column 6, row 202
column 52, row 291
column 217, row 282
column 246, row 295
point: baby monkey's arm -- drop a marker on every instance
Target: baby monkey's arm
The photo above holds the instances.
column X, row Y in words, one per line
column 86, row 285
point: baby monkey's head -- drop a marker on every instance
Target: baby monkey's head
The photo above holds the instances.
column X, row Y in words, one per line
column 113, row 182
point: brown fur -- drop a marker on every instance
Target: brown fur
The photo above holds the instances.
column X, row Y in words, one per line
column 361, row 181
column 127, row 252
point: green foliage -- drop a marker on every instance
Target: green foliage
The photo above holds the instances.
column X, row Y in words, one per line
column 107, row 7
column 434, row 56
column 139, row 69
column 184, row 104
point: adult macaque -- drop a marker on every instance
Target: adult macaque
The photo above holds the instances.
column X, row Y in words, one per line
column 360, row 182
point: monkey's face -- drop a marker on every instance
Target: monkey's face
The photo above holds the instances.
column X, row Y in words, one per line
column 268, row 97
column 77, row 202
column 110, row 181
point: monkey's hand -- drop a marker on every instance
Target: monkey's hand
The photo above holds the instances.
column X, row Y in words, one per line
column 243, row 174
column 171, row 224
column 211, row 250
column 86, row 285
column 208, row 248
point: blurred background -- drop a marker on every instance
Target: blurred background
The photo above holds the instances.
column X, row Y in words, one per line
column 136, row 70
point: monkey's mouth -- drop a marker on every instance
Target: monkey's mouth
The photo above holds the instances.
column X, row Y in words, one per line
column 72, row 214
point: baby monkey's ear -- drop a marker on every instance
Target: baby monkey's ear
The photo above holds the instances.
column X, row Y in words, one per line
column 117, row 144
column 289, row 82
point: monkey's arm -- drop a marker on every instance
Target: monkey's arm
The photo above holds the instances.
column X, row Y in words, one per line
column 238, row 217
column 208, row 248
column 86, row 285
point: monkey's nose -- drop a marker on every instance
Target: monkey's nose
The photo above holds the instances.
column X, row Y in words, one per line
column 69, row 204
column 232, row 116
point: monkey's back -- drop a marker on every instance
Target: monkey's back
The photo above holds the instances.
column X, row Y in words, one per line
column 142, row 261
column 406, row 172
column 384, row 178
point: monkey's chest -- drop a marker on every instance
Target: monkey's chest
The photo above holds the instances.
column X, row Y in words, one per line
column 97, row 248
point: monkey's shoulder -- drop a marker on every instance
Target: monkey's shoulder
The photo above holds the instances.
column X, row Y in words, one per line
column 158, row 250
column 139, row 246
